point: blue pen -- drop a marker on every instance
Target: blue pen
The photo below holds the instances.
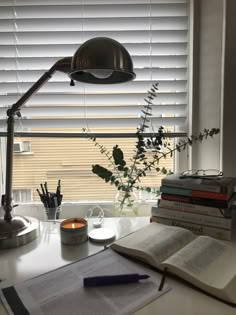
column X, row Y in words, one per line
column 113, row 279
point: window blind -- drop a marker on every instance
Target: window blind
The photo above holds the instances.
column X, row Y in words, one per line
column 35, row 34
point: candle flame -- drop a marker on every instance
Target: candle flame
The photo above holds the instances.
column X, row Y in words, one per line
column 73, row 225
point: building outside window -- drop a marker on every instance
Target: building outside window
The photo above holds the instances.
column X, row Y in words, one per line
column 36, row 34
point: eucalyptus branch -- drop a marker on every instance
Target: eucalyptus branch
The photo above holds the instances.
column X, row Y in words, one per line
column 179, row 147
column 125, row 177
column 140, row 152
column 97, row 169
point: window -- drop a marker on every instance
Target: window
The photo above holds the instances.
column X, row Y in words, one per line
column 22, row 195
column 35, row 34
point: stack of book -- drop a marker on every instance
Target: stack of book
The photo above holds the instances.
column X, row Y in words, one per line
column 203, row 206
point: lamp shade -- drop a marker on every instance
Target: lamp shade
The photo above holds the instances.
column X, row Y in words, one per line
column 102, row 60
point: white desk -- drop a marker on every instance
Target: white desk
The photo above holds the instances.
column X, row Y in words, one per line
column 47, row 253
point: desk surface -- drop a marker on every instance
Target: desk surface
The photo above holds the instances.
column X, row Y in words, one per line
column 47, row 253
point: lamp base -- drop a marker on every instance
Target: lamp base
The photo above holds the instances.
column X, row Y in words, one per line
column 20, row 231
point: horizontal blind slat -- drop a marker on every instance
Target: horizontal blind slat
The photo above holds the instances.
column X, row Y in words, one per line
column 92, row 122
column 108, row 10
column 61, row 99
column 93, row 24
column 141, row 74
column 60, row 50
column 99, row 111
column 88, row 2
column 75, row 37
column 138, row 62
column 64, row 87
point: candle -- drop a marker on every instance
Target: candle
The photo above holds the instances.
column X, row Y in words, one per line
column 74, row 231
column 73, row 225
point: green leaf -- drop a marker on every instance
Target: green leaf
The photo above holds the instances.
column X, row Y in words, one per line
column 118, row 156
column 102, row 172
column 146, row 113
column 164, row 170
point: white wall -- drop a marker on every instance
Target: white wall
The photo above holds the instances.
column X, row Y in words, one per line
column 207, row 79
column 229, row 97
column 214, row 91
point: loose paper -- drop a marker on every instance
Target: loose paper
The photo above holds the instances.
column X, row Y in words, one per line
column 62, row 292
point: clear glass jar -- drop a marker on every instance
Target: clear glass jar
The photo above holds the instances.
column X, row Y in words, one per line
column 126, row 204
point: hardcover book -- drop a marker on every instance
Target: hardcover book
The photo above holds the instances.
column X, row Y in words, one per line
column 195, row 193
column 200, row 229
column 200, row 201
column 205, row 262
column 216, row 221
column 194, row 208
column 222, row 185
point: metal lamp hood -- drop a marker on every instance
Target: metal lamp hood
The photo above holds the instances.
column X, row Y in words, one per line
column 102, row 60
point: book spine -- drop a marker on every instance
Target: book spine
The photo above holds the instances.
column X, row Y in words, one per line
column 193, row 193
column 176, row 191
column 223, row 223
column 182, row 184
column 195, row 200
column 193, row 208
column 199, row 229
column 209, row 194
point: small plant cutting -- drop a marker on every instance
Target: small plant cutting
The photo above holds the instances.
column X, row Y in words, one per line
column 126, row 177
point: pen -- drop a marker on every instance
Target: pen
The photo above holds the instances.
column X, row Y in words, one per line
column 47, row 194
column 55, row 202
column 42, row 189
column 163, row 279
column 58, row 191
column 113, row 279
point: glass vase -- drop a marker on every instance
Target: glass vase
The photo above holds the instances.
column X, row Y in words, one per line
column 126, row 204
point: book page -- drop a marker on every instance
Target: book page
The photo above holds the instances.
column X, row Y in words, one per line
column 207, row 263
column 154, row 243
column 61, row 291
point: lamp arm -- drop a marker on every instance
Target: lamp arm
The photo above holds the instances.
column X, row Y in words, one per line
column 62, row 65
column 32, row 90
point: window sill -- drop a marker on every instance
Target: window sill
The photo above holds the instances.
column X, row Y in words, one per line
column 23, row 153
column 78, row 209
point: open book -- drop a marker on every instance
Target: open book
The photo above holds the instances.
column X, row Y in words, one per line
column 203, row 261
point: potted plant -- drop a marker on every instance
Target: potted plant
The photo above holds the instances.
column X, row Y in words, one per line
column 126, row 177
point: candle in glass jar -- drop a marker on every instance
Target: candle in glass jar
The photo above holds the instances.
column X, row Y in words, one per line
column 74, row 231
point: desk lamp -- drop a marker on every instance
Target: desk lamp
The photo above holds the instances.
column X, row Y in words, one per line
column 99, row 60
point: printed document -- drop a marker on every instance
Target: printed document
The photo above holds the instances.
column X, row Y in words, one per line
column 62, row 292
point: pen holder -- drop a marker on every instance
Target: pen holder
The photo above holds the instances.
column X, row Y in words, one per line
column 53, row 213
